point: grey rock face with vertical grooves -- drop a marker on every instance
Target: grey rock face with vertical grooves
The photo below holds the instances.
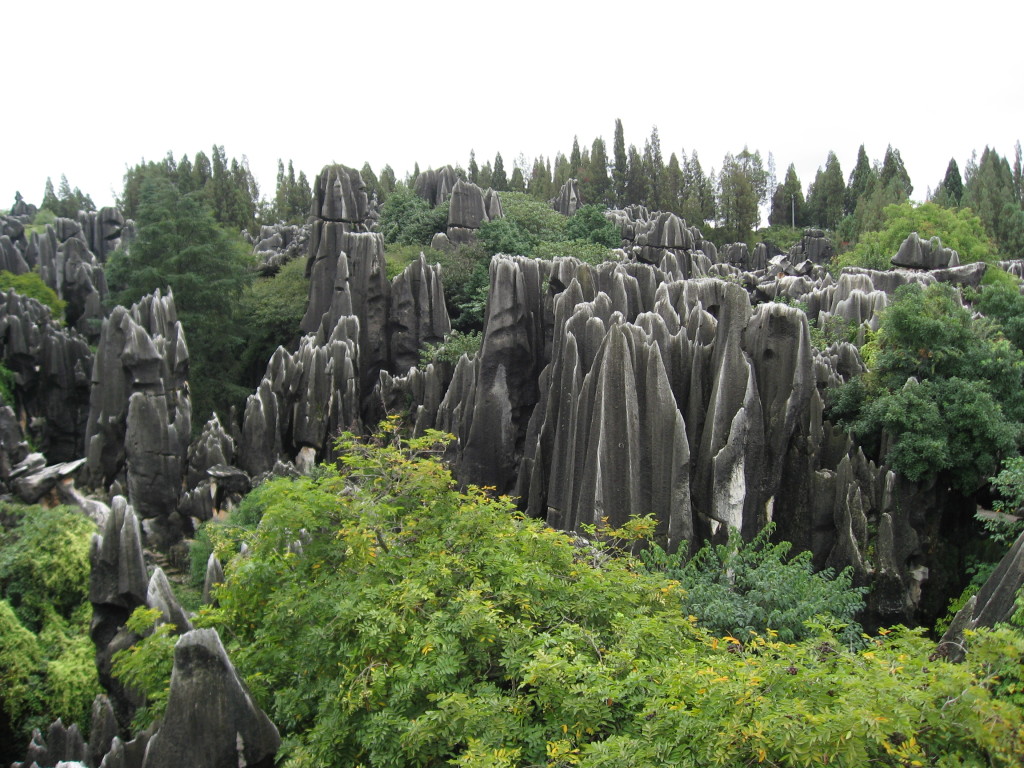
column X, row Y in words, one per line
column 211, row 719
column 140, row 412
column 568, row 200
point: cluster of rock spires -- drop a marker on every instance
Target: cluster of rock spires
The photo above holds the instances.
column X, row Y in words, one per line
column 69, row 256
column 210, row 719
column 678, row 380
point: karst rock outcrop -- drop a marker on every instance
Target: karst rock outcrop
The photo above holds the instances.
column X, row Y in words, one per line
column 140, row 413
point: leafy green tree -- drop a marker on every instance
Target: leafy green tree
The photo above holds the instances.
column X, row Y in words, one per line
column 595, row 186
column 47, row 666
column 30, row 284
column 826, row 195
column 893, row 170
column 739, row 588
column 788, row 201
column 589, row 223
column 742, row 187
column 407, row 219
column 1004, row 304
column 698, row 205
column 654, row 165
column 862, row 178
column 960, row 411
column 638, row 184
column 951, row 190
column 387, row 182
column 506, row 236
column 270, row 310
column 499, row 181
column 399, row 635
column 575, row 158
column 181, row 247
column 620, row 164
column 517, row 183
column 539, row 186
column 960, row 230
column 292, row 196
column 68, row 202
column 474, row 169
column 989, row 191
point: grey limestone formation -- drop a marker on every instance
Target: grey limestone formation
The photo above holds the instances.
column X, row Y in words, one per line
column 304, row 398
column 417, row 315
column 435, row 186
column 813, row 246
column 105, row 230
column 118, row 584
column 1014, row 266
column 211, row 719
column 21, row 209
column 278, row 244
column 160, row 596
column 61, row 745
column 348, row 277
column 50, row 366
column 662, row 239
column 214, row 576
column 995, row 602
column 140, row 411
column 469, row 208
column 916, row 253
column 568, row 200
column 339, row 197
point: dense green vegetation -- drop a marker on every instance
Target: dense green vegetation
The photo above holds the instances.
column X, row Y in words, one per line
column 741, row 588
column 68, row 202
column 47, row 669
column 395, row 634
column 270, row 310
column 958, row 229
column 181, row 247
column 961, row 411
column 31, row 285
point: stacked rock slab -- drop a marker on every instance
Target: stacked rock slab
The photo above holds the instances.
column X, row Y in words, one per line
column 140, row 412
column 813, row 246
column 469, row 208
column 435, row 186
column 50, row 365
column 915, row 253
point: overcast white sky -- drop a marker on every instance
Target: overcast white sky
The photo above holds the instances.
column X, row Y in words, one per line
column 91, row 88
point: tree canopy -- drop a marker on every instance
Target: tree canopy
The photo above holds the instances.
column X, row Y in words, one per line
column 181, row 247
column 397, row 635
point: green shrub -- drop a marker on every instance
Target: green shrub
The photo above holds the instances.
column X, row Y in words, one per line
column 47, row 661
column 6, row 385
column 959, row 229
column 964, row 412
column 454, row 346
column 779, row 235
column 741, row 588
column 590, row 225
column 381, row 616
column 584, row 250
column 407, row 219
column 146, row 666
column 31, row 285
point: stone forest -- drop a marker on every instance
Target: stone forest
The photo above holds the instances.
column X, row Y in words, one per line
column 513, row 478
